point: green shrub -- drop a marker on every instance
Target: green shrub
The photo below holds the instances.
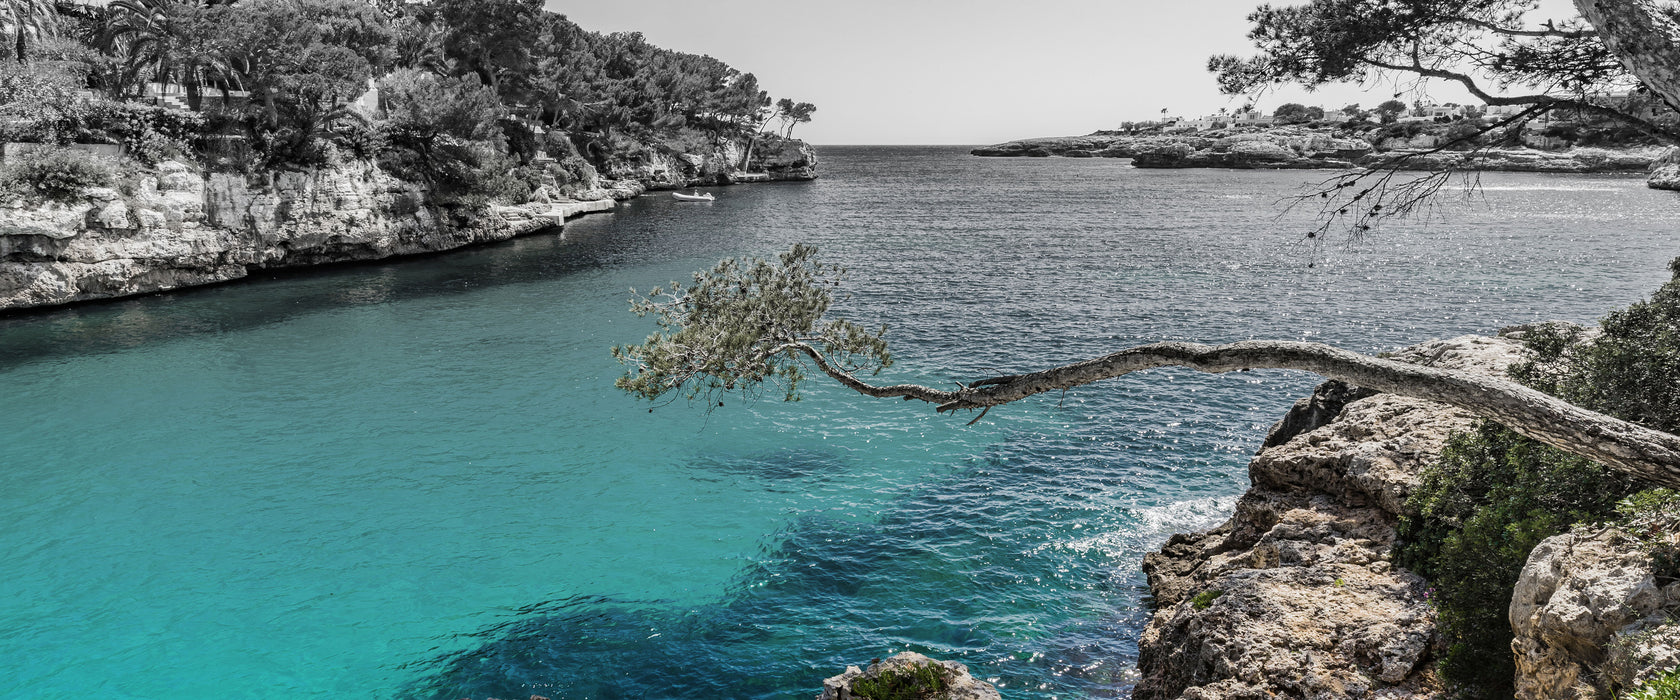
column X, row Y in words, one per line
column 1476, row 515
column 1205, row 599
column 38, row 104
column 913, row 682
column 1663, row 687
column 56, row 174
column 1653, row 519
column 1632, row 371
column 151, row 134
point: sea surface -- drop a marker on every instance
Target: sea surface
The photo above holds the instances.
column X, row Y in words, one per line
column 415, row 480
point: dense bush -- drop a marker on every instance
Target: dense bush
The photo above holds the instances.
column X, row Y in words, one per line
column 56, row 174
column 1477, row 514
column 1630, row 372
column 913, row 682
column 150, row 134
column 1465, row 134
column 1494, row 495
column 38, row 105
column 1652, row 518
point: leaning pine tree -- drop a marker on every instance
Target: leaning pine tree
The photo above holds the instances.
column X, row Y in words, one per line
column 748, row 322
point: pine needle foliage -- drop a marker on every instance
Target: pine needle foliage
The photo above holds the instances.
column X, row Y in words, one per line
column 744, row 323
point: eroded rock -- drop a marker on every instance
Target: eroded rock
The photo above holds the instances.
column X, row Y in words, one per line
column 1297, row 594
column 1590, row 617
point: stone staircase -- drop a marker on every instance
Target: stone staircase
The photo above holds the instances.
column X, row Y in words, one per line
column 173, row 102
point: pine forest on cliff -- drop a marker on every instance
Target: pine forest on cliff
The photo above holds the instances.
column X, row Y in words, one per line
column 482, row 101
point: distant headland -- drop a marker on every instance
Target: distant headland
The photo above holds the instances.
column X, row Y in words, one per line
column 1416, row 137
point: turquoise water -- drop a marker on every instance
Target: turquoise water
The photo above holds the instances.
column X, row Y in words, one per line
column 414, row 479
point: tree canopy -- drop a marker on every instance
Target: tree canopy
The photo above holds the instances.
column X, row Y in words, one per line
column 288, row 71
column 1498, row 50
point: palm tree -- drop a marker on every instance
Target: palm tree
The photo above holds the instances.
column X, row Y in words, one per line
column 162, row 38
column 28, row 18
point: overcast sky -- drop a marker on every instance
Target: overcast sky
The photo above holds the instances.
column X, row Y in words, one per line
column 972, row 71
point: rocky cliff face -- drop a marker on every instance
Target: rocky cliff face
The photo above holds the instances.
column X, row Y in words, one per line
column 1296, row 595
column 179, row 228
column 640, row 167
column 1591, row 617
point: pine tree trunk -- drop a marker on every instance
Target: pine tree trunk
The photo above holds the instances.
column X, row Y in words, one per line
column 1633, row 449
column 1645, row 39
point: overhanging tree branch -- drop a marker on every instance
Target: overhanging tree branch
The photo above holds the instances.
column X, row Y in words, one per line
column 748, row 322
column 1648, row 454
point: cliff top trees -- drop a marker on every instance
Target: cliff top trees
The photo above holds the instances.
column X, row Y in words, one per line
column 491, row 38
column 302, row 63
column 793, row 114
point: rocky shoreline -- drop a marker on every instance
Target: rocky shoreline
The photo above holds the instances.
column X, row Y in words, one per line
column 1302, row 148
column 180, row 227
column 1297, row 594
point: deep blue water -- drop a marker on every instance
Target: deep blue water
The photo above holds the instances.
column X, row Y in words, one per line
column 414, row 479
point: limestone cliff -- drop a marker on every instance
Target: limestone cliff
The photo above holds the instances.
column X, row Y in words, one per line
column 1591, row 617
column 1296, row 595
column 177, row 227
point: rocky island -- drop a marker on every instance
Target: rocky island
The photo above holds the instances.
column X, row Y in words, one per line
column 1295, row 147
column 1314, row 147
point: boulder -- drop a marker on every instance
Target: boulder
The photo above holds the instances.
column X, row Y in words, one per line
column 1589, row 617
column 1665, row 171
column 960, row 685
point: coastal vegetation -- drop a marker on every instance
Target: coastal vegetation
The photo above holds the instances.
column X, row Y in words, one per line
column 924, row 681
column 482, row 100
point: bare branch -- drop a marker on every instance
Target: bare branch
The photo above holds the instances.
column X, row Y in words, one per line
column 1507, row 31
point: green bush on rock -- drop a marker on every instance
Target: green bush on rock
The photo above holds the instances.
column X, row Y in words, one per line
column 55, row 175
column 1664, row 687
column 913, row 682
column 1477, row 514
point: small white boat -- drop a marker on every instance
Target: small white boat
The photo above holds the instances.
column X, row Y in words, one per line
column 696, row 197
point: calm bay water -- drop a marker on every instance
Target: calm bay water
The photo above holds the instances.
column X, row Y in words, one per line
column 415, row 479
